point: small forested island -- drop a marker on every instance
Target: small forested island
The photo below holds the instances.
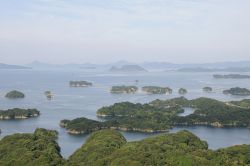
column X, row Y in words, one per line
column 182, row 91
column 161, row 115
column 109, row 147
column 207, row 89
column 80, row 84
column 48, row 94
column 124, row 89
column 231, row 76
column 18, row 113
column 157, row 90
column 14, row 94
column 237, row 91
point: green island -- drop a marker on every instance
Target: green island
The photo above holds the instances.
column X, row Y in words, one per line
column 182, row 91
column 207, row 89
column 124, row 89
column 18, row 113
column 161, row 115
column 80, row 84
column 109, row 147
column 48, row 94
column 125, row 116
column 231, row 76
column 157, row 90
column 14, row 94
column 237, row 91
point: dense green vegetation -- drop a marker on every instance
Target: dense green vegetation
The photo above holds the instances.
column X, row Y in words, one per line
column 99, row 145
column 232, row 76
column 157, row 90
column 38, row 149
column 126, row 116
column 109, row 147
column 207, row 89
column 182, row 91
column 18, row 113
column 237, row 91
column 123, row 89
column 208, row 112
column 79, row 83
column 81, row 125
column 14, row 94
column 243, row 103
column 105, row 148
column 159, row 116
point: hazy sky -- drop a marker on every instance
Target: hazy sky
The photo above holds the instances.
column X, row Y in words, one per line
column 100, row 31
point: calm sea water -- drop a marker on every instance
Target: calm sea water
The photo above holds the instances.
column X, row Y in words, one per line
column 70, row 103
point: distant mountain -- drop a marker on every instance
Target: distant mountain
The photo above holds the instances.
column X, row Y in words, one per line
column 7, row 66
column 240, row 66
column 41, row 65
column 230, row 69
column 128, row 68
column 206, row 66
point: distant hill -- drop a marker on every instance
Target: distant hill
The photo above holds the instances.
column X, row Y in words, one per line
column 230, row 69
column 128, row 68
column 124, row 66
column 233, row 66
column 7, row 66
column 41, row 65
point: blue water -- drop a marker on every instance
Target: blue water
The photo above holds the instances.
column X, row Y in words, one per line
column 69, row 103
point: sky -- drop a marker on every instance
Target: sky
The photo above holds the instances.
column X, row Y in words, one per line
column 103, row 31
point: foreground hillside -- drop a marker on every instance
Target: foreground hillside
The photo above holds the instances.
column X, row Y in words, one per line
column 109, row 147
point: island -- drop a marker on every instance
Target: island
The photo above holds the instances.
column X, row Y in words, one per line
column 18, row 113
column 80, row 84
column 7, row 66
column 182, row 91
column 14, row 94
column 208, row 112
column 128, row 68
column 237, row 91
column 109, row 147
column 157, row 90
column 125, row 116
column 231, row 76
column 48, row 94
column 161, row 115
column 124, row 89
column 207, row 89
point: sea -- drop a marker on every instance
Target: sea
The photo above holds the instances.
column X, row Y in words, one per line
column 70, row 103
